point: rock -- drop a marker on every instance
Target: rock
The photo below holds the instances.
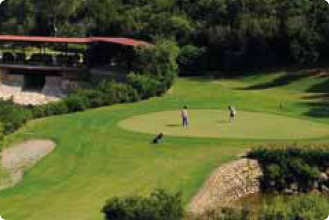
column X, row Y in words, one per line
column 229, row 182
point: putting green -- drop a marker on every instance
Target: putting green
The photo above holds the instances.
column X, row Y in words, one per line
column 215, row 123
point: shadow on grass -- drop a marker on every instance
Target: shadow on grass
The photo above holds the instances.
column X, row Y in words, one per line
column 280, row 81
column 173, row 125
column 201, row 79
column 321, row 87
column 223, row 121
column 319, row 107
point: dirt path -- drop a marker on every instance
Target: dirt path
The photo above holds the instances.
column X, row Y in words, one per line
column 19, row 158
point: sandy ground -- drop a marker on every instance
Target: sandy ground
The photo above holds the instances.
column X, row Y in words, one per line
column 19, row 158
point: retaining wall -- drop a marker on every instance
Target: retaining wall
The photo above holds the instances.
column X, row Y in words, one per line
column 229, row 182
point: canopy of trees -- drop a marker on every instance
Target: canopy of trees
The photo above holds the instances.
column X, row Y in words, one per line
column 229, row 34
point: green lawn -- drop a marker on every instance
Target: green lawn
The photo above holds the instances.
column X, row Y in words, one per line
column 216, row 123
column 96, row 159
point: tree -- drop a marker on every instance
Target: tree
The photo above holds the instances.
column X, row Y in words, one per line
column 160, row 205
column 158, row 62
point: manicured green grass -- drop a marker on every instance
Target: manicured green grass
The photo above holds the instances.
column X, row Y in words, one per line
column 95, row 159
column 216, row 123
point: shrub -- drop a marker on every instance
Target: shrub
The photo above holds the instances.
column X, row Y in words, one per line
column 38, row 112
column 145, row 86
column 222, row 214
column 13, row 116
column 158, row 206
column 288, row 165
column 121, row 92
column 114, row 92
column 157, row 62
column 94, row 97
column 56, row 108
column 189, row 60
column 76, row 103
column 306, row 207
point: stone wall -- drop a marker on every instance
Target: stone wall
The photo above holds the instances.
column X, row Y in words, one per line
column 53, row 87
column 12, row 87
column 229, row 182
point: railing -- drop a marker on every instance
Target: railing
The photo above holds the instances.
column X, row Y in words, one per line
column 39, row 59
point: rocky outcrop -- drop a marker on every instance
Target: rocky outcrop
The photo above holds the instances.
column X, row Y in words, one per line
column 229, row 182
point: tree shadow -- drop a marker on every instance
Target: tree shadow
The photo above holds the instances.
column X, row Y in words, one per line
column 318, row 109
column 320, row 88
column 280, row 81
column 319, row 103
column 201, row 79
column 222, row 121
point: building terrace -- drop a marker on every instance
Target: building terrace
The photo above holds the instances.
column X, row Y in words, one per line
column 52, row 66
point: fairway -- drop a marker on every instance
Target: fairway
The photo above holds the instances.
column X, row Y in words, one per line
column 106, row 152
column 215, row 123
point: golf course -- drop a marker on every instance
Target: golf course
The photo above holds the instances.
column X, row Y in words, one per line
column 107, row 152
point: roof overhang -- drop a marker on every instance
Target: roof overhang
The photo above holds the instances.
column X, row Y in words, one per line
column 74, row 40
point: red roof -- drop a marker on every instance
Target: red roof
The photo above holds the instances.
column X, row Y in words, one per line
column 80, row 40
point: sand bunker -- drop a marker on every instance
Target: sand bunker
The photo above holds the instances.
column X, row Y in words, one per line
column 19, row 158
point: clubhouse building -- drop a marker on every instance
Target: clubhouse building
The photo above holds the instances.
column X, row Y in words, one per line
column 36, row 70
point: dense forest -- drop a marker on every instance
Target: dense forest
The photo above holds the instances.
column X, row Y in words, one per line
column 212, row 34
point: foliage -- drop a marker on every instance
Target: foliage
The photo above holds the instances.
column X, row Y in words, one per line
column 291, row 165
column 222, row 214
column 13, row 116
column 144, row 85
column 190, row 60
column 306, row 207
column 57, row 108
column 76, row 103
column 114, row 92
column 160, row 205
column 236, row 34
column 158, row 62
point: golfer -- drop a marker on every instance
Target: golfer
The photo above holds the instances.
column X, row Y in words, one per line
column 184, row 116
column 232, row 112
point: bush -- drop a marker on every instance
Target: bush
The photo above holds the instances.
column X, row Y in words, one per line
column 157, row 62
column 145, row 86
column 158, row 206
column 114, row 92
column 76, row 103
column 291, row 165
column 38, row 112
column 189, row 60
column 94, row 97
column 57, row 108
column 307, row 207
column 105, row 93
column 222, row 214
column 13, row 116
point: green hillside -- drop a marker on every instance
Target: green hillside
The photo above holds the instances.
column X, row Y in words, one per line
column 96, row 159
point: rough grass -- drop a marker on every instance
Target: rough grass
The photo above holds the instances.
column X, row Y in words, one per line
column 96, row 160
